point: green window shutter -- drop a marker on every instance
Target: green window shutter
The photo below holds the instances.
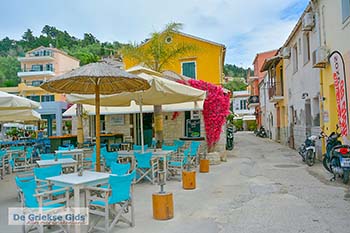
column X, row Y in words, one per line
column 189, row 69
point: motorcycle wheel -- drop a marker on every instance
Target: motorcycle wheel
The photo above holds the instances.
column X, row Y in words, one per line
column 346, row 177
column 325, row 164
column 309, row 157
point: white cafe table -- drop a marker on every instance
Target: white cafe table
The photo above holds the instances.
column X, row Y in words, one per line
column 68, row 162
column 77, row 154
column 158, row 153
column 89, row 178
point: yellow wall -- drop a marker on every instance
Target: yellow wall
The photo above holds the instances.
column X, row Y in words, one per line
column 329, row 103
column 208, row 58
column 282, row 103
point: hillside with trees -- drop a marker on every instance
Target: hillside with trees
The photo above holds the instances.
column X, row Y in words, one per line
column 239, row 76
column 87, row 50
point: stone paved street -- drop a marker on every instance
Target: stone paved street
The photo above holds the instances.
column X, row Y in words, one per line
column 263, row 187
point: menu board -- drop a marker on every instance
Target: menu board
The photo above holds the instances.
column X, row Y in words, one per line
column 193, row 128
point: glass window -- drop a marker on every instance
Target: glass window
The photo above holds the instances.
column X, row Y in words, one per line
column 37, row 68
column 295, row 58
column 243, row 104
column 345, row 5
column 47, row 98
column 37, row 83
column 189, row 69
column 34, row 98
column 306, row 47
column 49, row 67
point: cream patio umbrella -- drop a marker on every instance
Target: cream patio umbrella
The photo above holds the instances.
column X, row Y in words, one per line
column 162, row 91
column 14, row 102
column 19, row 115
column 96, row 78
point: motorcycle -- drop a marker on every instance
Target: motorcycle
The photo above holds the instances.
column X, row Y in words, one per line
column 337, row 157
column 307, row 150
column 261, row 132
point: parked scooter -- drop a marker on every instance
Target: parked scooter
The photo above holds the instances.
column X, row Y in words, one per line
column 261, row 132
column 307, row 150
column 337, row 157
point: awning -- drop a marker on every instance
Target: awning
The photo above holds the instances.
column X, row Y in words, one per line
column 134, row 108
column 270, row 61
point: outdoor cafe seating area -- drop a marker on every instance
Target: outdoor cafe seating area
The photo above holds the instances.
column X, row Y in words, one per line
column 59, row 179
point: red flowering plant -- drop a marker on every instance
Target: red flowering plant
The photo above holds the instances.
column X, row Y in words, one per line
column 215, row 109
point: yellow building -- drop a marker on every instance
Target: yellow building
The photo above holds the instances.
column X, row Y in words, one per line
column 276, row 94
column 333, row 20
column 38, row 65
column 205, row 63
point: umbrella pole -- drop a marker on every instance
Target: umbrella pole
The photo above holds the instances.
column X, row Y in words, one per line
column 98, row 141
column 141, row 124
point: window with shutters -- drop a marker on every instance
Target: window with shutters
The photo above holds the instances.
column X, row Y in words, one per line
column 188, row 69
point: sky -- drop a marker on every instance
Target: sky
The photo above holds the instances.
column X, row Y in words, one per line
column 245, row 27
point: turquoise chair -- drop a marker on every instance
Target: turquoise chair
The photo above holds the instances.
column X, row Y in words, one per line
column 93, row 156
column 139, row 147
column 120, row 168
column 69, row 147
column 116, row 202
column 42, row 173
column 179, row 143
column 176, row 163
column 173, row 148
column 146, row 166
column 47, row 156
column 194, row 152
column 109, row 158
column 32, row 197
column 5, row 164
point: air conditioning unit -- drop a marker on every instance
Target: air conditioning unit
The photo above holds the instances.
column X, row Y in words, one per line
column 320, row 57
column 308, row 22
column 286, row 53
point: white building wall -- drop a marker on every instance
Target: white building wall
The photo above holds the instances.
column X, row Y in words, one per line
column 303, row 85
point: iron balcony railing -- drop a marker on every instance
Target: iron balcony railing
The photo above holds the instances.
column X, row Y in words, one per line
column 275, row 90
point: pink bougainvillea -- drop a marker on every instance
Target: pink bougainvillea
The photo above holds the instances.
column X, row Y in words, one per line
column 215, row 109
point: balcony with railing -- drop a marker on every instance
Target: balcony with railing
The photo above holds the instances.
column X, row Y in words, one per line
column 276, row 92
column 39, row 55
column 42, row 71
column 253, row 101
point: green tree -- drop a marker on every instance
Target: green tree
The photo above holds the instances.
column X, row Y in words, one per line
column 237, row 84
column 156, row 53
column 9, row 66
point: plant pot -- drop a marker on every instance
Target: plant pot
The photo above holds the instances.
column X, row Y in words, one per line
column 204, row 165
column 163, row 206
column 188, row 179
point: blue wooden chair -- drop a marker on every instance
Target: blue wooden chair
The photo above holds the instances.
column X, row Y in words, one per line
column 146, row 166
column 194, row 152
column 39, row 197
column 112, row 205
column 179, row 143
column 120, row 168
column 176, row 163
column 109, row 158
column 47, row 156
column 139, row 147
column 42, row 173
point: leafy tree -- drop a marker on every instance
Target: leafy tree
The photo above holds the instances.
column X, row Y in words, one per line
column 155, row 53
column 237, row 84
column 235, row 71
column 9, row 66
column 28, row 36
